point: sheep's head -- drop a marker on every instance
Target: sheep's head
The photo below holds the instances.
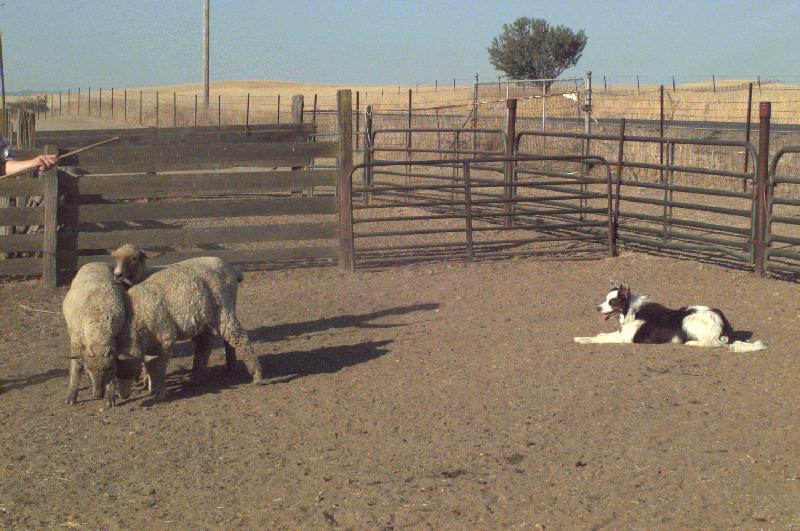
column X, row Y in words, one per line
column 100, row 362
column 128, row 368
column 131, row 264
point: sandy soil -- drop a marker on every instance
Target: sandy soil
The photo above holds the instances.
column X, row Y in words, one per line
column 443, row 395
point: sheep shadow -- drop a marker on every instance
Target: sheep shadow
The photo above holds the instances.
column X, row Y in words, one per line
column 277, row 369
column 282, row 331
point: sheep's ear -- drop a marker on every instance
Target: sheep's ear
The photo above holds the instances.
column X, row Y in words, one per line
column 101, row 350
column 624, row 290
column 152, row 254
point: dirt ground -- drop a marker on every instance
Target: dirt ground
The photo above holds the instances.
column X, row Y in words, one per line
column 446, row 395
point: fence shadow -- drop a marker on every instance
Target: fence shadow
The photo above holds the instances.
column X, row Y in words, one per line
column 272, row 333
column 11, row 384
column 288, row 366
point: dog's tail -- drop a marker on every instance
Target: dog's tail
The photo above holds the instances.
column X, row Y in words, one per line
column 747, row 346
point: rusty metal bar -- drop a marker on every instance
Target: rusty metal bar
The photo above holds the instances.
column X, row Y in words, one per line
column 508, row 166
column 760, row 197
column 468, row 209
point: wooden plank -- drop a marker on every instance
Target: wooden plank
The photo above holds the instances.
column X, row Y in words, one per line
column 21, row 243
column 132, row 131
column 21, row 216
column 20, row 266
column 188, row 184
column 163, row 137
column 235, row 256
column 21, row 186
column 123, row 168
column 131, row 159
column 49, row 241
column 232, row 151
column 222, row 208
column 207, row 235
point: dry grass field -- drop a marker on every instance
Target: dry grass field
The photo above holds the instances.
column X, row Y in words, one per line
column 694, row 101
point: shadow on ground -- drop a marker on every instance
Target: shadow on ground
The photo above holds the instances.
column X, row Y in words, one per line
column 277, row 368
column 272, row 333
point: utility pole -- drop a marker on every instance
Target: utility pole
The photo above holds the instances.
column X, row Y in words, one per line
column 4, row 128
column 206, row 16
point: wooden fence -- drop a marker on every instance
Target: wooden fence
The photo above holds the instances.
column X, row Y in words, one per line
column 246, row 194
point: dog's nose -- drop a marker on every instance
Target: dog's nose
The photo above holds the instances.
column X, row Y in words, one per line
column 599, row 308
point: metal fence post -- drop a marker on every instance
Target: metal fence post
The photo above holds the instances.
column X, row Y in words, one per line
column 614, row 223
column 345, row 186
column 368, row 154
column 587, row 129
column 747, row 134
column 760, row 189
column 468, row 211
column 509, row 166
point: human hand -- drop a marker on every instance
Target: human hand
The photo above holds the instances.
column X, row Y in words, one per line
column 45, row 162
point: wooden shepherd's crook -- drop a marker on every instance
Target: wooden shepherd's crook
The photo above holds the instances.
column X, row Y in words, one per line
column 65, row 155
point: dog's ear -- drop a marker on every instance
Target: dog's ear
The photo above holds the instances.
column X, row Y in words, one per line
column 624, row 290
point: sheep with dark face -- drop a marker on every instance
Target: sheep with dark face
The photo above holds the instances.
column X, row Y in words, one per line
column 131, row 268
column 189, row 300
column 94, row 309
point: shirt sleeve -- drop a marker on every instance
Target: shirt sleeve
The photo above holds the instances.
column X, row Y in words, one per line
column 5, row 150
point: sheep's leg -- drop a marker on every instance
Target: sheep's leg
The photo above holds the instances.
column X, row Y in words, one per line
column 233, row 333
column 157, row 371
column 75, row 370
column 230, row 358
column 202, row 350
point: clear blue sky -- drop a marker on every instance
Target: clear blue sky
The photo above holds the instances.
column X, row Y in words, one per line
column 51, row 44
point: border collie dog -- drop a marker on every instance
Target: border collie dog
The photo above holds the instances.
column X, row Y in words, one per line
column 644, row 321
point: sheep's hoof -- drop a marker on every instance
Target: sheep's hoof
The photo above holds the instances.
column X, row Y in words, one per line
column 72, row 398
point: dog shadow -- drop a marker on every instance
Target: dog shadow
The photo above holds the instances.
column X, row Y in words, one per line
column 277, row 369
column 742, row 335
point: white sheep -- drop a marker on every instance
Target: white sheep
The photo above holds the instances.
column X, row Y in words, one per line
column 131, row 268
column 94, row 309
column 189, row 300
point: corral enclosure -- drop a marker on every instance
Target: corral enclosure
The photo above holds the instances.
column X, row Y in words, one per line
column 441, row 394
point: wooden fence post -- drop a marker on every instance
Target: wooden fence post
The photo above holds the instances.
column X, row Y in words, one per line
column 345, row 186
column 508, row 167
column 50, row 240
column 314, row 112
column 358, row 116
column 247, row 113
column 760, row 189
column 297, row 109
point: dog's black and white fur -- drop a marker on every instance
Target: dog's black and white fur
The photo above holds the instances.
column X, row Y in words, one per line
column 644, row 321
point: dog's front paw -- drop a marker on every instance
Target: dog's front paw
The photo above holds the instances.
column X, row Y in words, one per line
column 583, row 340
